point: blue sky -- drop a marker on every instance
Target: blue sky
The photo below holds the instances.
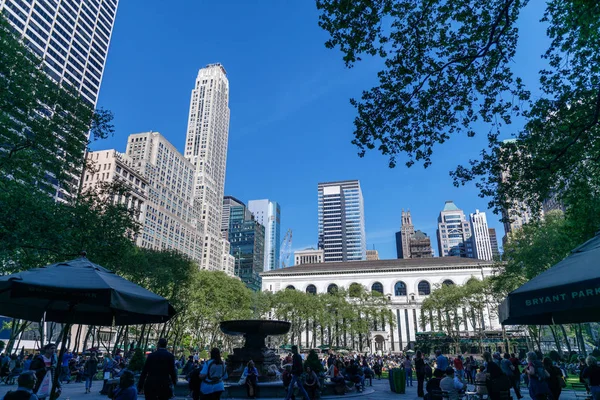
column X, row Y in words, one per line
column 291, row 121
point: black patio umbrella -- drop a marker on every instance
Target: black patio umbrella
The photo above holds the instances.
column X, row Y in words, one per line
column 79, row 292
column 569, row 292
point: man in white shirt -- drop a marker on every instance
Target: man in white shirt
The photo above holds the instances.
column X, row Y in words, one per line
column 451, row 384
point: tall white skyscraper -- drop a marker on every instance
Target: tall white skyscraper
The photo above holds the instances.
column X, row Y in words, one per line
column 206, row 149
column 71, row 36
column 454, row 232
column 342, row 221
column 481, row 236
column 268, row 214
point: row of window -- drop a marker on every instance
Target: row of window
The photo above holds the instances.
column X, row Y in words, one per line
column 424, row 288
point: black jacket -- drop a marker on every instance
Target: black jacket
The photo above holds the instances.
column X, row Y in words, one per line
column 159, row 369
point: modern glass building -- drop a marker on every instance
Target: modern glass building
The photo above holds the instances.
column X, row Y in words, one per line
column 247, row 238
column 268, row 214
column 454, row 233
column 71, row 36
column 341, row 221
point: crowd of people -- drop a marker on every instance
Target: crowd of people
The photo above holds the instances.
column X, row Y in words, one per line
column 437, row 376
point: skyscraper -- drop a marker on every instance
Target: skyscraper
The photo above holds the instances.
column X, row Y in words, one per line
column 268, row 214
column 411, row 243
column 247, row 238
column 228, row 202
column 407, row 229
column 481, row 236
column 494, row 243
column 72, row 37
column 206, row 149
column 454, row 232
column 341, row 221
column 169, row 212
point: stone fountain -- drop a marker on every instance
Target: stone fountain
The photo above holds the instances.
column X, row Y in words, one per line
column 255, row 332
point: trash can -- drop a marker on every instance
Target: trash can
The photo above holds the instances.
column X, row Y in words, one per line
column 397, row 378
column 400, row 381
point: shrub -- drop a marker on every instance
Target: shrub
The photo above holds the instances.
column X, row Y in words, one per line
column 137, row 360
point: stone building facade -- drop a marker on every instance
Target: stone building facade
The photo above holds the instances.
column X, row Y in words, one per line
column 406, row 282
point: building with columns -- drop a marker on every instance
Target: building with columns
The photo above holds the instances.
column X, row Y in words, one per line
column 406, row 282
column 308, row 256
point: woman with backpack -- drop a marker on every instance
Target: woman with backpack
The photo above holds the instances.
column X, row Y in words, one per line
column 538, row 377
column 212, row 375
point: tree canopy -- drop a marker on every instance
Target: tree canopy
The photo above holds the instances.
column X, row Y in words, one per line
column 448, row 69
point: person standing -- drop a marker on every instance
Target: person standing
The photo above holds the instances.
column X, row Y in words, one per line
column 441, row 361
column 555, row 380
column 44, row 363
column 212, row 375
column 65, row 371
column 591, row 376
column 158, row 375
column 407, row 364
column 90, row 368
column 420, row 370
column 538, row 377
column 297, row 371
column 459, row 367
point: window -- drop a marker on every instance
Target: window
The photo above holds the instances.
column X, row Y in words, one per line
column 333, row 288
column 447, row 282
column 290, row 287
column 424, row 288
column 312, row 289
column 377, row 287
column 400, row 289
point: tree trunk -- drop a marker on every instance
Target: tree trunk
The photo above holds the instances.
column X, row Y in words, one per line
column 141, row 337
column 564, row 332
column 87, row 337
column 556, row 340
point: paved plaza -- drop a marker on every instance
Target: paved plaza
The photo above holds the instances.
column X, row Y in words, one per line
column 379, row 391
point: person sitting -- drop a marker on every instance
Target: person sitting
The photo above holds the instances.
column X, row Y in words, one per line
column 451, row 384
column 353, row 374
column 377, row 369
column 368, row 372
column 311, row 383
column 126, row 389
column 433, row 386
column 26, row 382
column 251, row 377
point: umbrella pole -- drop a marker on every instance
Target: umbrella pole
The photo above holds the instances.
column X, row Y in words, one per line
column 57, row 372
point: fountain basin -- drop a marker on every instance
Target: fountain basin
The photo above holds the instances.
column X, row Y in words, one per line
column 255, row 332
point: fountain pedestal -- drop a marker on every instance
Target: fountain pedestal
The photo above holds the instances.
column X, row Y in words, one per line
column 255, row 332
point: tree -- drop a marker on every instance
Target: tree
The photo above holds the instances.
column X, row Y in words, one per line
column 44, row 126
column 448, row 69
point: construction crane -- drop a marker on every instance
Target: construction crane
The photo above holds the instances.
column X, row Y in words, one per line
column 286, row 249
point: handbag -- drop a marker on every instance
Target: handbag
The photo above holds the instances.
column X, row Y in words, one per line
column 45, row 386
column 242, row 380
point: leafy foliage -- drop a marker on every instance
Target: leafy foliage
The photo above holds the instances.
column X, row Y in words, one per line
column 136, row 364
column 447, row 69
